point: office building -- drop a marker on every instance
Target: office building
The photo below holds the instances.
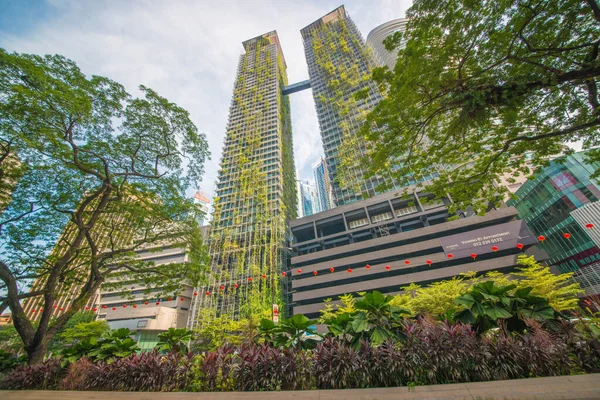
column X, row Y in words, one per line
column 256, row 190
column 549, row 204
column 323, row 187
column 390, row 240
column 376, row 37
column 142, row 310
column 339, row 66
column 201, row 199
column 307, row 199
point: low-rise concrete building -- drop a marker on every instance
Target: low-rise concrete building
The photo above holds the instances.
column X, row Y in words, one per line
column 389, row 241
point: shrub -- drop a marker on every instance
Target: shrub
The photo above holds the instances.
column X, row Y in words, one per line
column 145, row 372
column 46, row 375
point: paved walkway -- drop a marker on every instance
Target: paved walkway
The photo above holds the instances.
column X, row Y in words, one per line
column 580, row 387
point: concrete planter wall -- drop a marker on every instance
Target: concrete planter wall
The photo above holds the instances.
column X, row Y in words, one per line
column 562, row 387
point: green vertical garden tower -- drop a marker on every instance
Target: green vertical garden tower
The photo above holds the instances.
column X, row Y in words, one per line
column 256, row 192
column 339, row 66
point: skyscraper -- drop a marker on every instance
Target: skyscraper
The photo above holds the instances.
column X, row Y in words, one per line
column 376, row 37
column 323, row 187
column 307, row 199
column 339, row 66
column 256, row 189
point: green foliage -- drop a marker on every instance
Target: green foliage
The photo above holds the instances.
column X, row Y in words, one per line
column 473, row 89
column 105, row 175
column 174, row 340
column 111, row 345
column 290, row 332
column 9, row 361
column 376, row 317
column 486, row 304
column 10, row 341
column 560, row 290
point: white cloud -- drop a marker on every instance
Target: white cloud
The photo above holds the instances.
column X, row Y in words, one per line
column 188, row 52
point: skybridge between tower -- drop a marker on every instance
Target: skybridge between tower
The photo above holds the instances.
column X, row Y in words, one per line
column 296, row 87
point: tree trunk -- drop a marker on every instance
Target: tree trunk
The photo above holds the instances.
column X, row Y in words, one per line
column 36, row 352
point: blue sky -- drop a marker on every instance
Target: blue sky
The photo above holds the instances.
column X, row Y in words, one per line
column 185, row 50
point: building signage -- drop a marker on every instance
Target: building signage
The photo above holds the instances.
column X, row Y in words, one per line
column 481, row 241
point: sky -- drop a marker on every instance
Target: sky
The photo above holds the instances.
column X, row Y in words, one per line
column 186, row 50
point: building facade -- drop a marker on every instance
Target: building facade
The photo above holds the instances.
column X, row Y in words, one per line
column 547, row 203
column 201, row 199
column 147, row 314
column 390, row 240
column 256, row 190
column 307, row 199
column 323, row 187
column 339, row 66
column 376, row 37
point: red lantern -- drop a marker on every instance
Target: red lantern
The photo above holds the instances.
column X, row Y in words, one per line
column 95, row 309
column 589, row 226
column 114, row 308
column 146, row 303
column 33, row 310
column 87, row 308
column 315, row 273
column 494, row 248
column 61, row 309
column 158, row 302
column 182, row 299
column 41, row 309
column 541, row 238
column 283, row 273
column 566, row 235
column 388, row 267
column 450, row 255
column 55, row 307
column 473, row 256
column 222, row 288
column 236, row 286
column 368, row 266
column 195, row 294
column 207, row 293
column 299, row 271
column 264, row 276
column 134, row 306
column 350, row 270
column 249, row 279
column 124, row 305
column 520, row 246
column 406, row 262
column 170, row 298
column 104, row 306
column 429, row 262
column 331, row 269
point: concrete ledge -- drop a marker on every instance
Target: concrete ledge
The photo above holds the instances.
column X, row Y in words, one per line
column 580, row 387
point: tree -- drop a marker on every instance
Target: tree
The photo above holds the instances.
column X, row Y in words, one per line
column 560, row 290
column 478, row 85
column 105, row 174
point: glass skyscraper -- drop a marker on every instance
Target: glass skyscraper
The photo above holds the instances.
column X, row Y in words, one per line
column 256, row 190
column 323, row 187
column 308, row 203
column 339, row 66
column 546, row 203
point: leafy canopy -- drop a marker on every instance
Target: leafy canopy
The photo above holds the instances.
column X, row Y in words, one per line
column 480, row 84
column 104, row 175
